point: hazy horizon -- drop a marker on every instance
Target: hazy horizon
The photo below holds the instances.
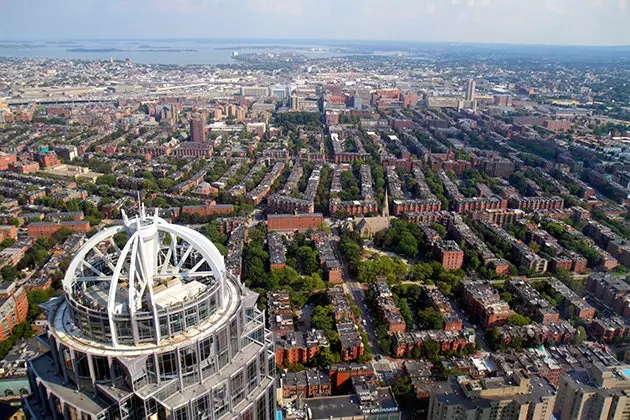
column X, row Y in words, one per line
column 339, row 41
column 533, row 22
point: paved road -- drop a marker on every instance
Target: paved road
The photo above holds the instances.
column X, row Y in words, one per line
column 354, row 290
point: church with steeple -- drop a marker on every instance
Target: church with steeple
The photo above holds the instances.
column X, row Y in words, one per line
column 369, row 226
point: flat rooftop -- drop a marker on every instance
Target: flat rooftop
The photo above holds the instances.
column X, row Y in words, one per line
column 44, row 367
column 348, row 405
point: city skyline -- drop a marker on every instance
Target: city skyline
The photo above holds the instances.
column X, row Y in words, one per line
column 559, row 22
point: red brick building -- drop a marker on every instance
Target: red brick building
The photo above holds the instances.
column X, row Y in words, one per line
column 8, row 231
column 47, row 229
column 13, row 308
column 208, row 209
column 340, row 374
column 537, row 203
column 416, row 206
column 299, row 347
column 609, row 329
column 405, row 343
column 449, row 254
column 48, row 160
column 480, row 204
column 484, row 302
column 25, row 167
column 6, row 159
column 307, row 384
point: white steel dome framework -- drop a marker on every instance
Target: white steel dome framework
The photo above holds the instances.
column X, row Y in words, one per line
column 152, row 326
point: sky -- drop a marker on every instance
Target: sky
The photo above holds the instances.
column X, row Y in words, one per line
column 566, row 22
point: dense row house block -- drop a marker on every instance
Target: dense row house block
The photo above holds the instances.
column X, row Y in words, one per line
column 294, row 222
column 401, row 207
column 571, row 262
column 388, row 311
column 536, row 203
column 13, row 307
column 611, row 290
column 209, row 208
column 355, row 207
column 609, row 330
column 342, row 374
column 484, row 302
column 298, row 347
column 464, row 205
column 558, row 333
column 328, row 260
column 307, row 384
column 532, row 303
column 435, row 299
column 499, row 217
column 280, row 312
column 287, row 204
column 47, row 229
column 404, row 344
column 428, row 217
column 572, row 304
column 352, row 346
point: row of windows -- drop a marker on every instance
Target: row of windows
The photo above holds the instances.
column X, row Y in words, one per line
column 201, row 408
column 171, row 325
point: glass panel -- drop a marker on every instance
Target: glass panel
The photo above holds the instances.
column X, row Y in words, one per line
column 167, row 364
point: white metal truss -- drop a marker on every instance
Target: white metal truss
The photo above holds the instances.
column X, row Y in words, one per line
column 154, row 251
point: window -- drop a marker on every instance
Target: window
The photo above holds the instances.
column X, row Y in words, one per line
column 219, row 400
column 260, row 408
column 234, row 336
column 188, row 358
column 248, row 414
column 271, row 403
column 96, row 327
column 223, row 348
column 203, row 311
column 167, row 363
column 123, row 332
column 201, row 408
column 236, row 388
column 213, row 303
column 262, row 364
column 257, row 335
column 150, row 369
column 101, row 368
column 83, row 369
column 191, row 317
column 176, row 323
column 182, row 413
column 252, row 377
column 271, row 365
column 207, row 358
column 146, row 330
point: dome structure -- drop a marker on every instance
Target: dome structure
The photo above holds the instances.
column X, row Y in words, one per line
column 152, row 326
